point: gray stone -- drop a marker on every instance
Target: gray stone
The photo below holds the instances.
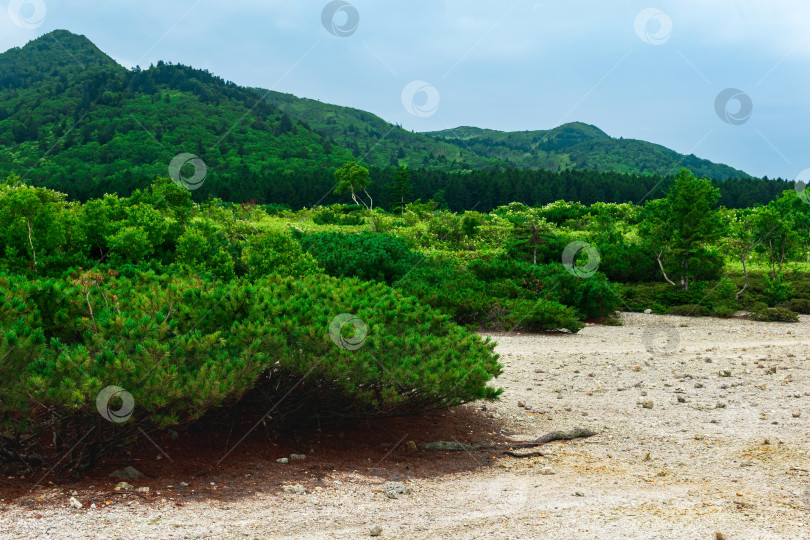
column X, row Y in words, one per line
column 647, row 403
column 298, row 457
column 376, row 530
column 74, row 503
column 123, row 485
column 129, row 474
column 297, row 489
column 282, row 460
column 393, row 490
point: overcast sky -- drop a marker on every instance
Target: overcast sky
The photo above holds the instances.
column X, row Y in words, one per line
column 636, row 69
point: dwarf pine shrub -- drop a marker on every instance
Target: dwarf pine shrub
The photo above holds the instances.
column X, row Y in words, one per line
column 181, row 346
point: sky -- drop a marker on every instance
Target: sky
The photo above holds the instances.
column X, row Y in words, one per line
column 724, row 80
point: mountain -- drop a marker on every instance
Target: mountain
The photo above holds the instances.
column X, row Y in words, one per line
column 73, row 119
column 375, row 141
column 579, row 146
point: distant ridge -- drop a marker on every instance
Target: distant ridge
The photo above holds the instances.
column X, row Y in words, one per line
column 73, row 119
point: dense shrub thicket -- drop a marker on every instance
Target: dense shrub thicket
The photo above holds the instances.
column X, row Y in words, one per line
column 202, row 308
column 181, row 346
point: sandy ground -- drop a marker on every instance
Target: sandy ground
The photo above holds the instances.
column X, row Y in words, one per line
column 711, row 438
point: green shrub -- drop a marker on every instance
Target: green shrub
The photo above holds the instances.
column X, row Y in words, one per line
column 368, row 256
column 339, row 215
column 497, row 305
column 723, row 311
column 774, row 315
column 592, row 297
column 799, row 305
column 689, row 310
column 183, row 347
column 274, row 252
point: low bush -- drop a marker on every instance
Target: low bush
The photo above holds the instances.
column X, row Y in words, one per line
column 799, row 305
column 774, row 315
column 368, row 256
column 689, row 310
column 339, row 215
column 489, row 305
column 591, row 297
column 182, row 346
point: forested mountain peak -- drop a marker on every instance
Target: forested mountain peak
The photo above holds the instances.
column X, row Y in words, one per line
column 57, row 54
column 579, row 146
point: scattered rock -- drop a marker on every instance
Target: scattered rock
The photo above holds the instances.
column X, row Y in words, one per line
column 681, row 399
column 298, row 457
column 297, row 489
column 393, row 490
column 647, row 311
column 719, row 536
column 646, row 457
column 579, row 494
column 123, row 485
column 376, row 530
column 521, row 404
column 142, row 489
column 282, row 460
column 797, row 414
column 547, row 471
column 410, row 446
column 725, row 373
column 647, row 403
column 127, row 474
column 74, row 503
column 698, row 385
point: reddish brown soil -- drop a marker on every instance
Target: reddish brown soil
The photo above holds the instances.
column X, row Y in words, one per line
column 377, row 448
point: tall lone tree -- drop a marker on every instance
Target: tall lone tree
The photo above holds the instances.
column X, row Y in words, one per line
column 401, row 189
column 679, row 227
column 353, row 178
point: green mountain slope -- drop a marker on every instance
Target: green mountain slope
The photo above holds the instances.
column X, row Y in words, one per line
column 579, row 146
column 72, row 119
column 375, row 141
